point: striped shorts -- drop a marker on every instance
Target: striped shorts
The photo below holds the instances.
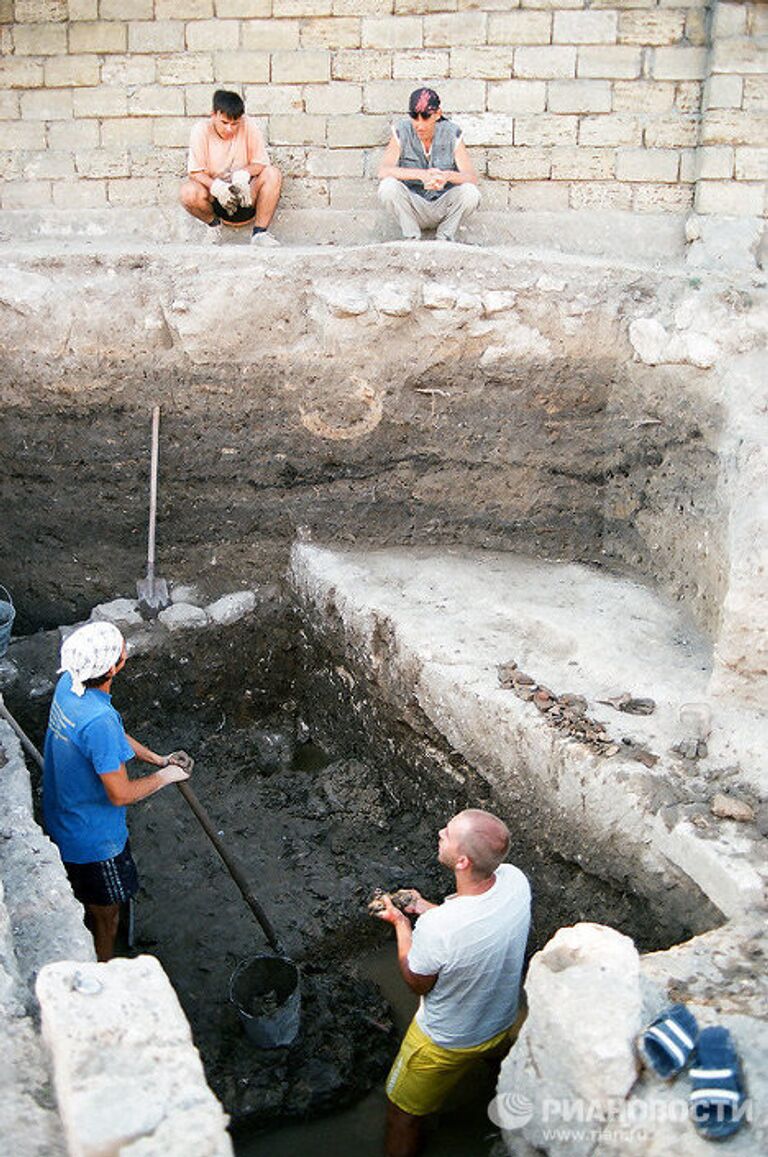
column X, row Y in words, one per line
column 105, row 882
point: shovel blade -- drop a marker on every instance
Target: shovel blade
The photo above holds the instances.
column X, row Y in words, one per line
column 153, row 595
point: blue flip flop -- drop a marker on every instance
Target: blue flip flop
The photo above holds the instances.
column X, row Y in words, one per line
column 669, row 1041
column 717, row 1087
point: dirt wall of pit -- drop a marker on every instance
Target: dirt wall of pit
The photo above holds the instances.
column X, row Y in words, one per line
column 569, row 106
column 587, row 412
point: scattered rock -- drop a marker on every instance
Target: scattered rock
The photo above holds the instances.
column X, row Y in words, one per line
column 401, row 899
column 9, row 673
column 119, row 611
column 730, row 807
column 649, row 340
column 435, row 295
column 182, row 617
column 391, row 300
column 232, row 607
column 629, row 705
column 185, row 593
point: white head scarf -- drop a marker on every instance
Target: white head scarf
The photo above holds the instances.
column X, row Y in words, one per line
column 90, row 651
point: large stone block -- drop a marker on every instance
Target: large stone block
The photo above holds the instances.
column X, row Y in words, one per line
column 385, row 96
column 302, row 7
column 358, row 131
column 671, row 132
column 156, row 100
column 83, row 9
column 619, row 61
column 493, row 129
column 26, row 194
column 517, row 96
column 336, row 163
column 101, row 102
column 728, row 20
column 236, row 68
column 416, row 65
column 123, row 132
column 48, row 165
column 643, row 96
column 207, row 35
column 751, row 164
column 339, row 32
column 122, row 10
column 582, row 164
column 129, row 70
column 661, row 198
column 352, row 195
column 392, row 32
column 47, row 104
column 102, row 163
column 309, row 67
column 335, row 99
column 156, row 36
column 616, row 129
column 39, row 11
column 651, row 28
column 458, row 96
column 482, row 63
column 183, row 9
column 39, row 39
column 299, row 129
column 187, row 68
column 730, row 198
column 549, row 63
column 167, row 132
column 451, row 28
column 585, row 28
column 660, row 165
column 98, row 36
column 755, row 93
column 520, row 164
column 546, row 130
column 519, row 27
column 242, row 9
column 579, row 96
column 80, row 194
column 723, row 92
column 734, row 127
column 361, row 66
column 743, row 55
column 600, row 195
column 268, row 99
column 537, row 196
column 23, row 135
column 20, row 73
column 270, row 35
column 68, row 135
column 133, row 191
column 679, row 63
column 714, row 163
column 71, row 71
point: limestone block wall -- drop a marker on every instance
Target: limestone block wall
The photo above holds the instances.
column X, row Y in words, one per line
column 567, row 104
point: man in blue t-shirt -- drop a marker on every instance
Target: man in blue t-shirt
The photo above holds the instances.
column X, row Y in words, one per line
column 85, row 784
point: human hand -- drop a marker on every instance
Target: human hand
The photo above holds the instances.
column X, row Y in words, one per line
column 225, row 194
column 389, row 913
column 418, row 905
column 181, row 759
column 173, row 774
column 241, row 179
column 436, row 179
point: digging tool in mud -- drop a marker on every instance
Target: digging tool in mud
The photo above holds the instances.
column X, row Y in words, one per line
column 264, row 988
column 152, row 590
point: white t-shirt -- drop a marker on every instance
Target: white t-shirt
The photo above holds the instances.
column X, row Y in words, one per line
column 476, row 945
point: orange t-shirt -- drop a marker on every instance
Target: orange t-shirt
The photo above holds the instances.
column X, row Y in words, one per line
column 209, row 153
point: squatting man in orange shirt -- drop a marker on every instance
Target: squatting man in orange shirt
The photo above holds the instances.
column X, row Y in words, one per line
column 464, row 959
column 230, row 174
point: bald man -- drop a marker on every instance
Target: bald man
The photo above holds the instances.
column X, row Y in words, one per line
column 464, row 959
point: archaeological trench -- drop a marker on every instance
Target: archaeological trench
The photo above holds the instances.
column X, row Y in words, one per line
column 412, row 496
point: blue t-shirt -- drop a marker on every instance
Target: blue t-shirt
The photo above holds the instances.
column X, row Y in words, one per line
column 85, row 740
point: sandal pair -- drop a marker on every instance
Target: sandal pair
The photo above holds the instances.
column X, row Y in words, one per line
column 671, row 1042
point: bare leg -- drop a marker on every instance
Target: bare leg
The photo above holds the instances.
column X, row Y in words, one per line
column 404, row 1133
column 265, row 190
column 104, row 920
column 197, row 200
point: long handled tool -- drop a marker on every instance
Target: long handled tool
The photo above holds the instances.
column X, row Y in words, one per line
column 232, row 866
column 152, row 590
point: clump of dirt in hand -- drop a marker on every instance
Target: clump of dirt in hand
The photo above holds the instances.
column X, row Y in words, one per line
column 402, row 900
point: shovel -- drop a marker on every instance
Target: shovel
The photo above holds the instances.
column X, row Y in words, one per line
column 153, row 591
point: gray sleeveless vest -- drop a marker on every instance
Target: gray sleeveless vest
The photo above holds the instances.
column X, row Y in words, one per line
column 412, row 155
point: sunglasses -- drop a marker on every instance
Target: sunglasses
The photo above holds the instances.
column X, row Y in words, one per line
column 423, row 116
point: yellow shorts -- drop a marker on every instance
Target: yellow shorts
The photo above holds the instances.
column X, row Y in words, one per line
column 424, row 1073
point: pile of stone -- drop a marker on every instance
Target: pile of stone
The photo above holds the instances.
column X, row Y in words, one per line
column 568, row 713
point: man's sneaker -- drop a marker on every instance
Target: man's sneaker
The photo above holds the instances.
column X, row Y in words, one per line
column 265, row 241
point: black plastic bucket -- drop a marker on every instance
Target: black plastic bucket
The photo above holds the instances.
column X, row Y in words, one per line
column 265, row 991
column 7, row 615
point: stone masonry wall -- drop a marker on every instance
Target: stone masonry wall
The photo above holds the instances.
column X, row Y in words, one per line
column 580, row 104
